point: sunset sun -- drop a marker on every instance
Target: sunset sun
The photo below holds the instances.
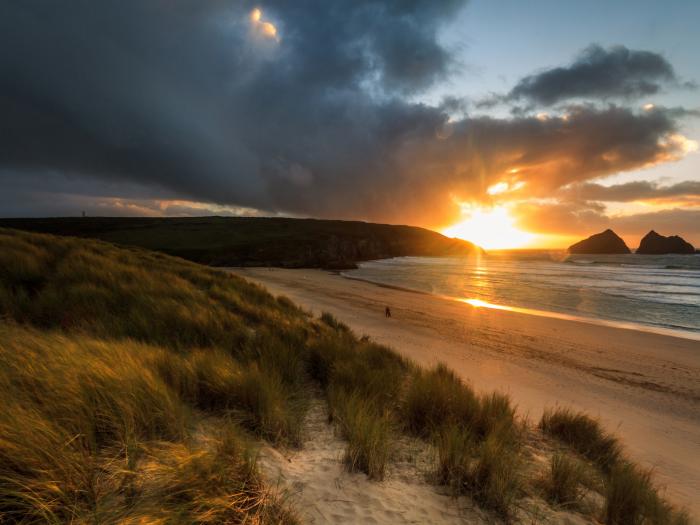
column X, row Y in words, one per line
column 490, row 228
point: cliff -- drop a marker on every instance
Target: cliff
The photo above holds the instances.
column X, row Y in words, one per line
column 257, row 241
column 604, row 242
column 655, row 244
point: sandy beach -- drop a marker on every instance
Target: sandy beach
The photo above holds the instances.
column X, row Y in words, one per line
column 643, row 386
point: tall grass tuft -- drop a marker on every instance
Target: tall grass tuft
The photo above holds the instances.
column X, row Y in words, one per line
column 367, row 430
column 496, row 481
column 435, row 398
column 332, row 322
column 266, row 406
column 632, row 499
column 563, row 483
column 584, row 434
column 363, row 383
column 496, row 416
column 489, row 471
column 456, row 448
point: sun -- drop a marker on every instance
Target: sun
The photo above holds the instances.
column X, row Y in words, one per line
column 490, row 228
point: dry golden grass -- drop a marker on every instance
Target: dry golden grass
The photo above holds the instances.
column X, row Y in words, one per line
column 110, row 358
column 631, row 499
column 564, row 481
column 584, row 434
column 92, row 432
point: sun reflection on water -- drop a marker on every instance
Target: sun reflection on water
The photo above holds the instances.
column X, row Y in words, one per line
column 478, row 303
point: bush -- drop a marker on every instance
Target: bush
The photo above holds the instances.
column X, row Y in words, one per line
column 584, row 434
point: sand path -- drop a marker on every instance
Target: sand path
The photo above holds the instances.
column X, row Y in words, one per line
column 644, row 386
column 322, row 491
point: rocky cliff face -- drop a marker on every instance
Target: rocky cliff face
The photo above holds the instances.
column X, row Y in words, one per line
column 655, row 244
column 604, row 242
column 339, row 252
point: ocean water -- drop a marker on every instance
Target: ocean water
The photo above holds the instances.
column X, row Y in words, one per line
column 655, row 293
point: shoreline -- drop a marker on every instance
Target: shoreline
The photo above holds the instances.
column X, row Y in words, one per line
column 645, row 387
column 625, row 325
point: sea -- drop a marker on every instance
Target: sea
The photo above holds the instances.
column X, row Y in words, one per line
column 657, row 293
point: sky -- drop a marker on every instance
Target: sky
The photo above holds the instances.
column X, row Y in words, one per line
column 512, row 124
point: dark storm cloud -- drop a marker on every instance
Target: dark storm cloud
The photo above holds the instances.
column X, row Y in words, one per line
column 186, row 95
column 598, row 73
column 633, row 191
column 192, row 101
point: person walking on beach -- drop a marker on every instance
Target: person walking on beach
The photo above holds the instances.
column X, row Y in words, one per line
column 387, row 312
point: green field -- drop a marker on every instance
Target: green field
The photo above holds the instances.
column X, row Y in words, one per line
column 249, row 241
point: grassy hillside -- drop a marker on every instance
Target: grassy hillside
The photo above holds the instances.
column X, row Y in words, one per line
column 248, row 241
column 136, row 386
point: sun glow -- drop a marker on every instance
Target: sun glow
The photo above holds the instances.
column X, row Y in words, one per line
column 492, row 228
column 264, row 28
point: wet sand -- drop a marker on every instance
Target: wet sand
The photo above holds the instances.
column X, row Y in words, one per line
column 644, row 386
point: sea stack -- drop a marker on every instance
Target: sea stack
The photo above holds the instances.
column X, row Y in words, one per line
column 604, row 242
column 655, row 244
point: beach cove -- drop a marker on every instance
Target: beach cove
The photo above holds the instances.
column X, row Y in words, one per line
column 645, row 387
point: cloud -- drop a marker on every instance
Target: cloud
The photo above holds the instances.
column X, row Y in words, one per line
column 633, row 191
column 189, row 97
column 584, row 219
column 667, row 222
column 568, row 218
column 198, row 102
column 599, row 73
column 541, row 155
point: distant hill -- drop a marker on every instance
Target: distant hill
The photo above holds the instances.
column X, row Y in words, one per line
column 604, row 242
column 253, row 241
column 655, row 244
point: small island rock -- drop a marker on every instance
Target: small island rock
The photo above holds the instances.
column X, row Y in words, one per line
column 655, row 244
column 604, row 242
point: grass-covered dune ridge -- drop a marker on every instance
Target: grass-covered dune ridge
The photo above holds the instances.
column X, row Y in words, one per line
column 131, row 381
column 135, row 387
column 257, row 241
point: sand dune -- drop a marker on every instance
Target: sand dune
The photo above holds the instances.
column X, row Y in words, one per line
column 645, row 387
column 322, row 491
